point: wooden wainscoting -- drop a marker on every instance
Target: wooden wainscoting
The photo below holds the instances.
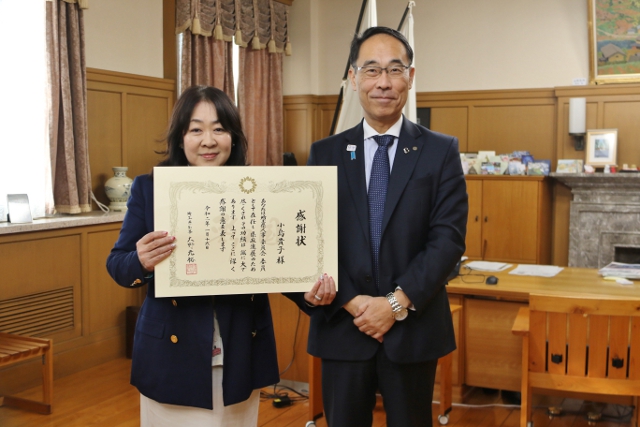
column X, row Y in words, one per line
column 128, row 116
column 307, row 118
column 498, row 120
column 55, row 285
column 608, row 107
column 536, row 120
column 291, row 328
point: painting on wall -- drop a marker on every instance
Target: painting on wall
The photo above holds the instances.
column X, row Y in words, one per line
column 614, row 41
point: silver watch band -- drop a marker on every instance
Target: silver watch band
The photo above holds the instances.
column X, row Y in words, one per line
column 395, row 305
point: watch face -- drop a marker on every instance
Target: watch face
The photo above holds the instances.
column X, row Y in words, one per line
column 402, row 314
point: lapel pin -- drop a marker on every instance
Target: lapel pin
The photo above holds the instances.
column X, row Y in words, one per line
column 352, row 149
column 405, row 150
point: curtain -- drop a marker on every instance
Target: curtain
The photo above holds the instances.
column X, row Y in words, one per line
column 206, row 61
column 261, row 28
column 71, row 175
column 260, row 105
column 258, row 23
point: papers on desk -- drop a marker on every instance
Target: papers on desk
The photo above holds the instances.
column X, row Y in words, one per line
column 620, row 269
column 520, row 270
column 536, row 270
column 487, row 266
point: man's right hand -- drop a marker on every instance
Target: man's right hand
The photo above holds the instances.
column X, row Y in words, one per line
column 356, row 304
column 357, row 307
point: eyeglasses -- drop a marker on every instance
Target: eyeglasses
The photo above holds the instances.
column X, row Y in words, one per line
column 373, row 72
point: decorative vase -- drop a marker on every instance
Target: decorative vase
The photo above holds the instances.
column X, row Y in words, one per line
column 118, row 188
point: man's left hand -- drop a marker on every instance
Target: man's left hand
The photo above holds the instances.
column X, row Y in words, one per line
column 375, row 318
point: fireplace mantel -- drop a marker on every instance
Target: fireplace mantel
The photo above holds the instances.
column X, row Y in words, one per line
column 621, row 187
column 605, row 214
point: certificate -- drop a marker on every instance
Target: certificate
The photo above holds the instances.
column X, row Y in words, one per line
column 246, row 229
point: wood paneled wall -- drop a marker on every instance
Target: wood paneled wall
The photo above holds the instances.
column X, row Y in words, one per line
column 608, row 107
column 307, row 118
column 38, row 262
column 127, row 119
column 501, row 120
column 291, row 328
column 536, row 120
column 128, row 115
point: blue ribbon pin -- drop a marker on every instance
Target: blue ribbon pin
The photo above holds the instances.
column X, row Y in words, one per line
column 352, row 149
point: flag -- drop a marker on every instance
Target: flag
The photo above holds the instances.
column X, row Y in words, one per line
column 351, row 112
column 410, row 108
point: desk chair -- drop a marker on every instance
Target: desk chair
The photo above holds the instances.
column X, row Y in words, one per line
column 579, row 344
column 17, row 348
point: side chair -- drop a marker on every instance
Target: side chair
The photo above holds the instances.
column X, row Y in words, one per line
column 587, row 344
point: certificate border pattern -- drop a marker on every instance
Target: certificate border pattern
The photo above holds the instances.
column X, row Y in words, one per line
column 176, row 189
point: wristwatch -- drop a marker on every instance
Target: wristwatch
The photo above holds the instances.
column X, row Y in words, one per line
column 399, row 312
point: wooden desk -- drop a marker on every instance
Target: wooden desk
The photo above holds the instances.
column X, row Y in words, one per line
column 491, row 354
column 517, row 288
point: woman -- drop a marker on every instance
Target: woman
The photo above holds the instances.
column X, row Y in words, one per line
column 196, row 360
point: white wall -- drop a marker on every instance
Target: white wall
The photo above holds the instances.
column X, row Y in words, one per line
column 125, row 36
column 460, row 44
column 302, row 74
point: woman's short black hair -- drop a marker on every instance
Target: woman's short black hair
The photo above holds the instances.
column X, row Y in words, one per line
column 372, row 31
column 228, row 117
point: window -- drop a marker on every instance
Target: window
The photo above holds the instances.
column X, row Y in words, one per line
column 24, row 146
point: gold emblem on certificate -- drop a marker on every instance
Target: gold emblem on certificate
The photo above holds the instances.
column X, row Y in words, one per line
column 245, row 229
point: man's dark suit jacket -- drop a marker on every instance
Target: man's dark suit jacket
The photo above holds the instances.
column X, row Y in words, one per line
column 180, row 373
column 423, row 233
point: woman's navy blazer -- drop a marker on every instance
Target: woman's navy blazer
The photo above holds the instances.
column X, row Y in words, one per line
column 173, row 339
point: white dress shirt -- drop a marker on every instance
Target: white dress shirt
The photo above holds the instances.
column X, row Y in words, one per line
column 370, row 145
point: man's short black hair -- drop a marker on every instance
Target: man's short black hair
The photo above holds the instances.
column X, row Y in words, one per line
column 372, row 31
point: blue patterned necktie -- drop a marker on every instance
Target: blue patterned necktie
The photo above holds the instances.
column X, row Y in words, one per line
column 378, row 182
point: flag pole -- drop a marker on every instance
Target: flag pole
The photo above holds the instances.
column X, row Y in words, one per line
column 346, row 73
column 404, row 15
column 410, row 107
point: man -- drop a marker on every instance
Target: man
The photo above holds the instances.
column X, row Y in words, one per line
column 401, row 230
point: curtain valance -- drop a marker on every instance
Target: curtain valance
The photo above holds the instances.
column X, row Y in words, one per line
column 258, row 23
column 82, row 4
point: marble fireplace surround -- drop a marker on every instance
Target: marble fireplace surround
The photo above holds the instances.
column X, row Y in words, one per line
column 605, row 214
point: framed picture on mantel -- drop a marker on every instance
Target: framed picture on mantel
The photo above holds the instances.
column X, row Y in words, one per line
column 602, row 147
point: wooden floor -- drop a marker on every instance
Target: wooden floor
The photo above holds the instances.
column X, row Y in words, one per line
column 102, row 396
